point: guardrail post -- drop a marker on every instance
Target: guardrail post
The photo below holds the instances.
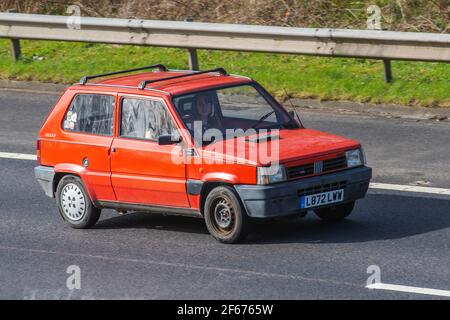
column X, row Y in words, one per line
column 387, row 71
column 16, row 52
column 193, row 59
column 192, row 55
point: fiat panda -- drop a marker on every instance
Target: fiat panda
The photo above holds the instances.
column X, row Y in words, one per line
column 203, row 144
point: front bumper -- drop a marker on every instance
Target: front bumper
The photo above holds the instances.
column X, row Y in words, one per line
column 282, row 199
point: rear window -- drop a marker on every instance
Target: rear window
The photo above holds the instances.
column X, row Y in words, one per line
column 90, row 113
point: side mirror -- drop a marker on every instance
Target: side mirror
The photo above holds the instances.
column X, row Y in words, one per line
column 167, row 139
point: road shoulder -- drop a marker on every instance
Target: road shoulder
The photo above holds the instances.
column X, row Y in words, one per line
column 306, row 105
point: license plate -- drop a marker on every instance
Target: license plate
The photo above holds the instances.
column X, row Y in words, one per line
column 320, row 199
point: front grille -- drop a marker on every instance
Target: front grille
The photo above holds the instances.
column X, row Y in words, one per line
column 300, row 171
column 322, row 188
column 334, row 164
column 308, row 168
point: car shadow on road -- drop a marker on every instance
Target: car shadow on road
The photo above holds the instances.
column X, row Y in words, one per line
column 377, row 217
column 142, row 220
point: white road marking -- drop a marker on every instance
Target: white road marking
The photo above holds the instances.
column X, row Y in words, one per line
column 399, row 288
column 374, row 185
column 21, row 156
column 406, row 188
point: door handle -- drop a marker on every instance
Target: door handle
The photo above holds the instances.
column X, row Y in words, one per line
column 113, row 149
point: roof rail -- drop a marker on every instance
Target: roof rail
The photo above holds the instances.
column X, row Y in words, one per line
column 85, row 79
column 144, row 83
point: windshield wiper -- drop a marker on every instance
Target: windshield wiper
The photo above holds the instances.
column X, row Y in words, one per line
column 264, row 117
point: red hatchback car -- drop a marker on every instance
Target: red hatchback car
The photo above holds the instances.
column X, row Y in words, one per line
column 203, row 144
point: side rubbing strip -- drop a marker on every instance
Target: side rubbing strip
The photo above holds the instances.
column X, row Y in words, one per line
column 194, row 187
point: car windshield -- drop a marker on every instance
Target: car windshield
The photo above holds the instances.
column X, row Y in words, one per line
column 228, row 109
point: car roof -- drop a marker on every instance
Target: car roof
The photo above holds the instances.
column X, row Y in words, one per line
column 172, row 86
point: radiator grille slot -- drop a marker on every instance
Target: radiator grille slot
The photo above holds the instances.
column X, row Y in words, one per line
column 301, row 171
column 335, row 164
column 322, row 188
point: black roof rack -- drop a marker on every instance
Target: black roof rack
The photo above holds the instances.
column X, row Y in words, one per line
column 85, row 79
column 144, row 83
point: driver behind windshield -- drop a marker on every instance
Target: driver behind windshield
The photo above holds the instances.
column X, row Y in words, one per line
column 205, row 112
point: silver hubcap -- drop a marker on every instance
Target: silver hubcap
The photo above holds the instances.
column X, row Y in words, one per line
column 223, row 214
column 73, row 202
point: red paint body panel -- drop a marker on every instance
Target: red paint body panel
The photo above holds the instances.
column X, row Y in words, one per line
column 70, row 148
column 143, row 172
column 194, row 201
column 293, row 147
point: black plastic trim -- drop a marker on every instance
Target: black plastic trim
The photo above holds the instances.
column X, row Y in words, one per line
column 282, row 199
column 85, row 79
column 194, row 187
column 45, row 176
column 144, row 83
column 125, row 206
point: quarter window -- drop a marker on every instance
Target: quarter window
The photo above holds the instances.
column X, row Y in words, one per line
column 145, row 119
column 90, row 113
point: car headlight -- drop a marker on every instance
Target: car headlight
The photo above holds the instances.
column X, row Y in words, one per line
column 271, row 174
column 355, row 157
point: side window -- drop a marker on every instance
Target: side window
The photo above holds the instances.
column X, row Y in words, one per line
column 145, row 119
column 90, row 113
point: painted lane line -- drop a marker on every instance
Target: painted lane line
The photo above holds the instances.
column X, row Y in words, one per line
column 406, row 188
column 408, row 289
column 21, row 156
column 373, row 185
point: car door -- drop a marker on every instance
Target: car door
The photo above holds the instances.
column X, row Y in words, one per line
column 142, row 171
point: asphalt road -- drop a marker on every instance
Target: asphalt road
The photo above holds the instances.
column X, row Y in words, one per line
column 157, row 257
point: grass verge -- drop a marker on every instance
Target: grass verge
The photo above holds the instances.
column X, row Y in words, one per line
column 415, row 83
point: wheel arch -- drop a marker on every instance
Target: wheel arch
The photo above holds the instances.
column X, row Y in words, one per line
column 64, row 170
column 206, row 189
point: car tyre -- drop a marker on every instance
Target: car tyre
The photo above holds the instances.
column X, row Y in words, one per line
column 225, row 216
column 335, row 213
column 74, row 204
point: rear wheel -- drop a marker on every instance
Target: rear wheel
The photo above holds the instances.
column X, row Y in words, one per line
column 74, row 204
column 335, row 213
column 225, row 216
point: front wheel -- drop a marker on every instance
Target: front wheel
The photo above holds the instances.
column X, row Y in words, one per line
column 335, row 213
column 225, row 216
column 74, row 204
